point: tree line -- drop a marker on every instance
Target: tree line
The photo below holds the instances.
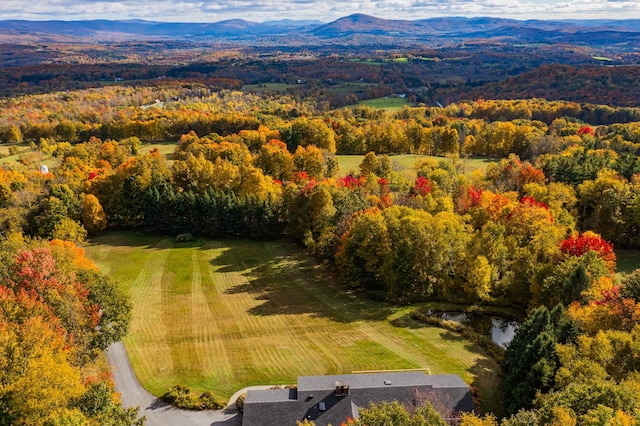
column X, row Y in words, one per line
column 534, row 230
column 57, row 313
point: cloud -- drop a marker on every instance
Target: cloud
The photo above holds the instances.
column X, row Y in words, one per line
column 216, row 10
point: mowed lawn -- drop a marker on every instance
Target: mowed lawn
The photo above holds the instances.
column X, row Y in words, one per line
column 222, row 315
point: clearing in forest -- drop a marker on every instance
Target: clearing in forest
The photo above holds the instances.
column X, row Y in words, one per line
column 222, row 315
column 388, row 103
column 405, row 163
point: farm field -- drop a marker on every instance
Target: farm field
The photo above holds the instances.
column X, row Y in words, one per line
column 386, row 103
column 344, row 87
column 268, row 87
column 222, row 315
column 404, row 163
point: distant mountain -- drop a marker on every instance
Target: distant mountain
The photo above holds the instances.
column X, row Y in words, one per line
column 459, row 29
column 357, row 28
column 363, row 24
column 231, row 28
column 630, row 25
column 134, row 29
column 291, row 23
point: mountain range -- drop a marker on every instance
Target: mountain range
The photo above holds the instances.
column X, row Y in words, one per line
column 624, row 34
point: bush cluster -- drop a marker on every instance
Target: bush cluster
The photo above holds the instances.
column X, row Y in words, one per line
column 240, row 402
column 182, row 397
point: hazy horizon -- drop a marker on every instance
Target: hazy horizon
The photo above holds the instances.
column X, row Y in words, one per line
column 204, row 11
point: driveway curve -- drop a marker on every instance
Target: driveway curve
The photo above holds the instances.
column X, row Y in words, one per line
column 158, row 412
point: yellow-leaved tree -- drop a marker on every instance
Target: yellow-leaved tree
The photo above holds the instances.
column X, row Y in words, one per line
column 93, row 215
column 37, row 377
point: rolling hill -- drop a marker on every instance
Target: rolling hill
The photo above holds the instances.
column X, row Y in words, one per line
column 624, row 33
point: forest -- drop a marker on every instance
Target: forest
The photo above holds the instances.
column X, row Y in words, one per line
column 478, row 69
column 534, row 231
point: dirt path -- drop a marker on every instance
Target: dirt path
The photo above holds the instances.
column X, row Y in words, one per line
column 158, row 412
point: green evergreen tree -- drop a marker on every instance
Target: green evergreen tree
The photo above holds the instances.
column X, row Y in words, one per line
column 531, row 360
column 573, row 287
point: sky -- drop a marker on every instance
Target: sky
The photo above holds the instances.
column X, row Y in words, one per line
column 322, row 10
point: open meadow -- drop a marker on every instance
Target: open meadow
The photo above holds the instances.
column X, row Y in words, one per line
column 222, row 315
column 387, row 103
column 166, row 149
column 404, row 164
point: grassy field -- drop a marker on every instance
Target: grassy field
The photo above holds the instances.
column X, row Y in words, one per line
column 377, row 63
column 268, row 87
column 350, row 87
column 166, row 148
column 389, row 104
column 627, row 260
column 23, row 149
column 404, row 163
column 345, row 87
column 222, row 315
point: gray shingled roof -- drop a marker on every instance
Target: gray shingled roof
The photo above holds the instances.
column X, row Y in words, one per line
column 272, row 395
column 285, row 406
column 360, row 381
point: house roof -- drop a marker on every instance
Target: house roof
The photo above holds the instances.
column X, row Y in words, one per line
column 316, row 399
column 363, row 381
column 273, row 395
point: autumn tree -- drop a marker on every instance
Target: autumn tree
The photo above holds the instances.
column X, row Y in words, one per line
column 93, row 215
column 393, row 413
column 56, row 312
column 121, row 193
column 630, row 285
column 275, row 160
column 310, row 161
column 405, row 252
column 37, row 376
column 601, row 203
column 364, row 250
column 10, row 134
column 305, row 132
column 57, row 215
column 198, row 174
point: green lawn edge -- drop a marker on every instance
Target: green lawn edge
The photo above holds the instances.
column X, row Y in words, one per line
column 222, row 315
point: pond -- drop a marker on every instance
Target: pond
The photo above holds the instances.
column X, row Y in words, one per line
column 500, row 329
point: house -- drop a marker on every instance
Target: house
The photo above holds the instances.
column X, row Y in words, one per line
column 331, row 399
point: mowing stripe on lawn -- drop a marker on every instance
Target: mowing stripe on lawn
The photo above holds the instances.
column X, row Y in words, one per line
column 222, row 315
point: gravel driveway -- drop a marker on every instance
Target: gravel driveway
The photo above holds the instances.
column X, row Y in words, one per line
column 158, row 412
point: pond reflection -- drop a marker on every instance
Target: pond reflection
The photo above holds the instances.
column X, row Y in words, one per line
column 500, row 329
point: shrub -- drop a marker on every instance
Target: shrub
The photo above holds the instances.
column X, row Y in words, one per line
column 240, row 402
column 207, row 401
column 182, row 397
column 630, row 287
column 184, row 238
